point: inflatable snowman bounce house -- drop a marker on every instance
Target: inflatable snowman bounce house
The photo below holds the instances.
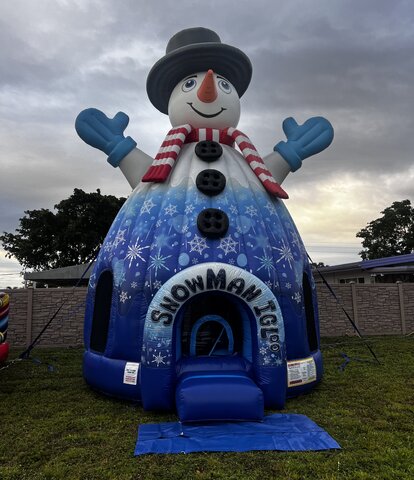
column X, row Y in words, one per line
column 202, row 297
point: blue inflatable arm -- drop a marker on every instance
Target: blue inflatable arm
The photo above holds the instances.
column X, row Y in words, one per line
column 305, row 140
column 106, row 134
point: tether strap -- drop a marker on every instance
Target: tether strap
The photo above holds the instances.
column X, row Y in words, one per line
column 344, row 311
column 26, row 353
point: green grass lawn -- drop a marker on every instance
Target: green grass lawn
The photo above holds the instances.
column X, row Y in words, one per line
column 52, row 426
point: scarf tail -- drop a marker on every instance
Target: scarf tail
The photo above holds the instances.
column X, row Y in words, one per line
column 256, row 163
column 167, row 155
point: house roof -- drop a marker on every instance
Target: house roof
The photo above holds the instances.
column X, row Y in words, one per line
column 390, row 264
column 62, row 275
column 388, row 261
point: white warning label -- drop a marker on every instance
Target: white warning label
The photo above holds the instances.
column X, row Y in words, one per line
column 301, row 371
column 131, row 373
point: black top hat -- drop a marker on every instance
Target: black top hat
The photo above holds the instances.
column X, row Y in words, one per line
column 196, row 50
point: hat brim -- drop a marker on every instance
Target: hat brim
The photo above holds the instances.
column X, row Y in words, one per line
column 223, row 59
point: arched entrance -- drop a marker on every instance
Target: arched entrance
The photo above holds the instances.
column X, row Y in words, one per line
column 260, row 321
column 211, row 335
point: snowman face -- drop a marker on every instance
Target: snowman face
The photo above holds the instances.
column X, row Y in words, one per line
column 204, row 100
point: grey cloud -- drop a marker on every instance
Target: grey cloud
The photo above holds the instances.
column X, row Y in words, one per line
column 349, row 61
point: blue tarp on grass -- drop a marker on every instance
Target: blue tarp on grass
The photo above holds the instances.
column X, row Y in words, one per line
column 284, row 432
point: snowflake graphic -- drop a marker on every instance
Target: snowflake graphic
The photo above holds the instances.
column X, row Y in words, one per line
column 158, row 359
column 228, row 245
column 134, row 284
column 285, row 253
column 263, row 350
column 262, row 241
column 232, row 261
column 288, row 285
column 298, row 278
column 170, row 209
column 198, row 244
column 270, row 208
column 107, row 247
column 120, row 238
column 123, row 297
column 269, row 284
column 189, row 209
column 158, row 262
column 250, row 210
column 294, row 240
column 194, row 261
column 297, row 297
column 156, row 285
column 147, row 206
column 266, row 262
column 135, row 252
column 162, row 240
column 233, row 209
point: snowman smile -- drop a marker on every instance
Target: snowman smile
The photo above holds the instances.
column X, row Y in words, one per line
column 205, row 115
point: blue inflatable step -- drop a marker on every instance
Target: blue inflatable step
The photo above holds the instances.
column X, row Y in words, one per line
column 216, row 396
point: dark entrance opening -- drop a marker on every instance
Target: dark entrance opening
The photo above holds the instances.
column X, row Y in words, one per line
column 212, row 335
column 101, row 312
column 201, row 331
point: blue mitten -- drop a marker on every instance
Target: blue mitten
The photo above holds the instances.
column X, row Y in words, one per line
column 106, row 134
column 305, row 140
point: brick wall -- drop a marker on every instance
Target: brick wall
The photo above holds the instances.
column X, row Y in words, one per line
column 31, row 309
column 17, row 330
column 408, row 293
column 386, row 309
column 380, row 309
column 332, row 320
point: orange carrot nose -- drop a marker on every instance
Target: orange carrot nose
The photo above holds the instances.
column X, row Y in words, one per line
column 207, row 92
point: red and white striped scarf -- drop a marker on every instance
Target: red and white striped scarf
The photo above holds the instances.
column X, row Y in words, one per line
column 176, row 137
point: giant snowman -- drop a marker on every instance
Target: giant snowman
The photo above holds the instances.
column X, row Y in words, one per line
column 202, row 297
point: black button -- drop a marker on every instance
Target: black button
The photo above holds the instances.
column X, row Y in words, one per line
column 213, row 223
column 211, row 182
column 208, row 150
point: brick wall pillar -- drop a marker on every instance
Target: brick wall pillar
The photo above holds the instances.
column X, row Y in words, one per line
column 402, row 308
column 29, row 317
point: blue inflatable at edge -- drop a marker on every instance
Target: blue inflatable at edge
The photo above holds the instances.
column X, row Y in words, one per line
column 202, row 298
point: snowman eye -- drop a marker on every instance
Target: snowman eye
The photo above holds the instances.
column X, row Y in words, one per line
column 224, row 86
column 188, row 85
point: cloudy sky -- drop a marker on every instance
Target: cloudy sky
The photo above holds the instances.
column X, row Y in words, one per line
column 351, row 61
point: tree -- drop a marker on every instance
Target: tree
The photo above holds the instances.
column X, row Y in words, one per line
column 391, row 234
column 319, row 265
column 47, row 240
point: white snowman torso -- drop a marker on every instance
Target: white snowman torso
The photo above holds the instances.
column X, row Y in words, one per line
column 188, row 166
